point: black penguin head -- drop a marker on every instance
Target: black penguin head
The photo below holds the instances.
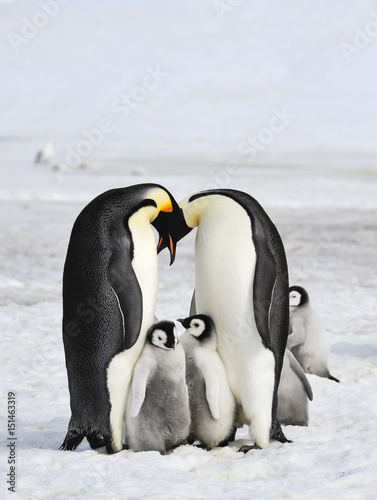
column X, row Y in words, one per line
column 163, row 334
column 171, row 227
column 298, row 296
column 200, row 326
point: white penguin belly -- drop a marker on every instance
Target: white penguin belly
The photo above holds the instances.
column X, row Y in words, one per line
column 225, row 268
column 120, row 368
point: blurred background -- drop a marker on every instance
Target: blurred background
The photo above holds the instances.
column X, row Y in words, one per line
column 203, row 82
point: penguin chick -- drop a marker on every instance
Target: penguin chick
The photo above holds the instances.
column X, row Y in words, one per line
column 293, row 393
column 307, row 339
column 45, row 155
column 212, row 404
column 157, row 415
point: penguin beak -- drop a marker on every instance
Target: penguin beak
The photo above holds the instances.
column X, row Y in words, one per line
column 185, row 322
column 167, row 241
column 171, row 227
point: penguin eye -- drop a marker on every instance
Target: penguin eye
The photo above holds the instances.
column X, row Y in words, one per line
column 196, row 325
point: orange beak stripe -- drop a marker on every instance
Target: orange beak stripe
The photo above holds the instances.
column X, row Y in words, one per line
column 168, row 207
column 159, row 244
column 171, row 245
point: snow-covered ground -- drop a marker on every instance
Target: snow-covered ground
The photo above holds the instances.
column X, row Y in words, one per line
column 327, row 222
column 263, row 98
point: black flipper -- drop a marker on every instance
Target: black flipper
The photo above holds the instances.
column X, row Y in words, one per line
column 124, row 282
column 296, row 367
column 264, row 282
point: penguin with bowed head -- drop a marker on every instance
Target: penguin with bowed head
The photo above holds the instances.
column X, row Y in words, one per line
column 212, row 404
column 158, row 415
column 109, row 300
column 241, row 282
column 307, row 339
column 293, row 393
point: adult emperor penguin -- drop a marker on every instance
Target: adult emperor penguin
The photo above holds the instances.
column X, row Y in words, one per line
column 158, row 416
column 212, row 404
column 307, row 339
column 241, row 282
column 109, row 298
column 293, row 393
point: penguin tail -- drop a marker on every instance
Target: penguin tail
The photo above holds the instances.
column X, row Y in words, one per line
column 333, row 378
column 73, row 437
column 71, row 441
column 277, row 433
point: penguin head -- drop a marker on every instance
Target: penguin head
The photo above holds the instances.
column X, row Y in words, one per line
column 192, row 208
column 163, row 334
column 169, row 222
column 298, row 296
column 200, row 326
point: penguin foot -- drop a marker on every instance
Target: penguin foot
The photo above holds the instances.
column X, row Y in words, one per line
column 245, row 448
column 95, row 440
column 109, row 445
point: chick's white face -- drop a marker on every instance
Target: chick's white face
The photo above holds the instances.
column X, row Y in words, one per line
column 197, row 327
column 161, row 339
column 294, row 299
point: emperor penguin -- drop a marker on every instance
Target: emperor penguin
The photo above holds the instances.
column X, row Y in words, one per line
column 307, row 339
column 109, row 300
column 157, row 415
column 293, row 393
column 212, row 404
column 241, row 282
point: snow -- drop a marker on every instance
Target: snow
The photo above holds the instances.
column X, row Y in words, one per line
column 226, row 79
